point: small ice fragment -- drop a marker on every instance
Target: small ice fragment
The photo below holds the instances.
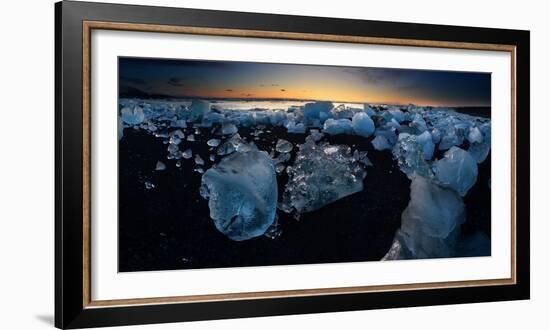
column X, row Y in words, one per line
column 160, row 166
column 282, row 158
column 199, row 170
column 380, row 143
column 279, row 168
column 191, row 138
column 179, row 123
column 178, row 163
column 283, row 146
column 228, row 128
column 199, row 160
column 225, row 148
column 176, row 136
column 149, row 185
column 172, row 148
column 187, row 154
column 132, row 116
column 212, row 157
column 213, row 142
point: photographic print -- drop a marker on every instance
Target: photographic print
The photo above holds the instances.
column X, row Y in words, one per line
column 232, row 164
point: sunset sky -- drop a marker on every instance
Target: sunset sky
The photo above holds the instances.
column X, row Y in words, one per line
column 248, row 80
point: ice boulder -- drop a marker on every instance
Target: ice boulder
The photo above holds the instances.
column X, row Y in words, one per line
column 362, row 124
column 426, row 142
column 283, row 146
column 409, row 154
column 368, row 110
column 317, row 110
column 292, row 127
column 380, row 143
column 321, row 174
column 132, row 115
column 199, row 109
column 397, row 114
column 479, row 151
column 228, row 129
column 474, row 135
column 337, row 126
column 430, row 225
column 456, row 170
column 418, row 124
column 242, row 194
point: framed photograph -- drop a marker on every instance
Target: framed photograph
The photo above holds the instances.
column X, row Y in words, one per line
column 218, row 164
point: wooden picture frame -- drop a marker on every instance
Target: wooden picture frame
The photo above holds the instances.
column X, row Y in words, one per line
column 74, row 306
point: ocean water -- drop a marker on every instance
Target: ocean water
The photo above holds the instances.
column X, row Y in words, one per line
column 270, row 105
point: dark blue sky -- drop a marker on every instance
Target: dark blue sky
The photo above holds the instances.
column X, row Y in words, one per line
column 224, row 79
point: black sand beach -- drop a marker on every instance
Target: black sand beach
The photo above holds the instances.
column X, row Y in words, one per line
column 168, row 227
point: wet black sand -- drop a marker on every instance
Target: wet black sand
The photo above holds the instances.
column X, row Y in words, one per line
column 168, row 227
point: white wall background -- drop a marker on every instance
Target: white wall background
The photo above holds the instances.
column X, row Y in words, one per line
column 27, row 163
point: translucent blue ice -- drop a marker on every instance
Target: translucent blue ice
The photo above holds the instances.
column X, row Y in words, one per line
column 242, row 194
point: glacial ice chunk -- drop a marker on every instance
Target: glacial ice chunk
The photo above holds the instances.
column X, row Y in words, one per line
column 317, row 111
column 362, row 124
column 228, row 128
column 283, row 146
column 132, row 115
column 474, row 135
column 321, row 174
column 337, row 126
column 410, row 156
column 430, row 225
column 176, row 136
column 456, row 170
column 213, row 142
column 297, row 128
column 160, row 166
column 199, row 160
column 418, row 124
column 242, row 194
column 479, row 151
column 380, row 143
column 425, row 140
column 199, row 108
column 187, row 154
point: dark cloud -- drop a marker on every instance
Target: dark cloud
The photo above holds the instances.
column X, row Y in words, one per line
column 136, row 81
column 376, row 76
column 274, row 84
column 283, row 90
column 228, row 90
column 176, row 82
